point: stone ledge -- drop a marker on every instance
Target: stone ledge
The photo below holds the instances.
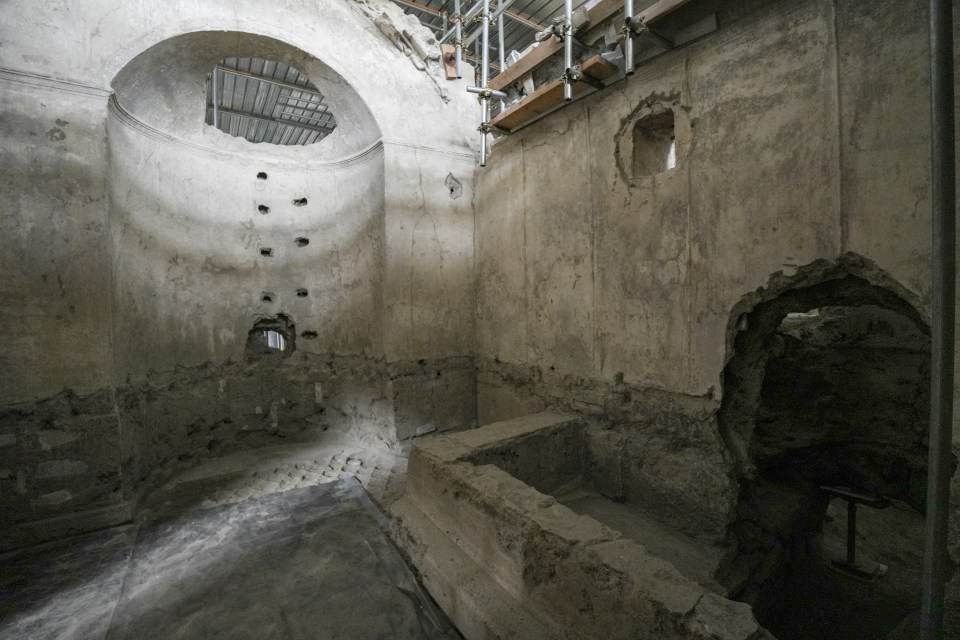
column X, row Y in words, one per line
column 522, row 554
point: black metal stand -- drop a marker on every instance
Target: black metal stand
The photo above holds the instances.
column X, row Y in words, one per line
column 850, row 566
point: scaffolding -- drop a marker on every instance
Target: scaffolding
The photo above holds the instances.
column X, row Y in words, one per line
column 594, row 72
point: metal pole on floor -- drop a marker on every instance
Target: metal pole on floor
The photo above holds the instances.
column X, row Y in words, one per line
column 944, row 199
column 851, row 533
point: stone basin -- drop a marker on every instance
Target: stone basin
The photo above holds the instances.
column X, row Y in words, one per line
column 513, row 541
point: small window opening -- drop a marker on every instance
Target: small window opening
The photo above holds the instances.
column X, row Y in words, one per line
column 654, row 145
column 266, row 101
column 263, row 208
column 271, row 337
column 302, row 242
column 275, row 340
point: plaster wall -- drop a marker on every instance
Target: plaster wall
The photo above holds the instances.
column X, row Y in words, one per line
column 802, row 133
column 428, row 265
column 591, row 273
column 135, row 243
column 60, row 450
column 189, row 274
column 55, row 260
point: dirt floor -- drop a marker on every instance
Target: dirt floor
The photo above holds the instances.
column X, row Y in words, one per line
column 820, row 603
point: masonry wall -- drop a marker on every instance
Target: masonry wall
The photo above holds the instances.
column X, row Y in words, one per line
column 59, row 450
column 134, row 237
column 802, row 135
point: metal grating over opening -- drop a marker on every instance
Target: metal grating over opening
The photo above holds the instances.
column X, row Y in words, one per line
column 266, row 101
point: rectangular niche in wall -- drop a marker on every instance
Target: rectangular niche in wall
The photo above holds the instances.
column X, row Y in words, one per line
column 654, row 144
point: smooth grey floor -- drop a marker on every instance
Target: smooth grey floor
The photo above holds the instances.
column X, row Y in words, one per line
column 311, row 563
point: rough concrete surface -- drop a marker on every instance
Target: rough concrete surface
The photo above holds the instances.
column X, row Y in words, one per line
column 136, row 235
column 729, row 334
column 521, row 559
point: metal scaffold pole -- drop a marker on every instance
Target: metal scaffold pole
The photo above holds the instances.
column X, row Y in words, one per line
column 943, row 316
column 568, row 50
column 484, row 81
column 627, row 33
column 216, row 98
column 458, row 30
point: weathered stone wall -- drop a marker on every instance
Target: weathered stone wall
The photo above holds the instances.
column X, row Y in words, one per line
column 60, row 444
column 61, row 467
column 808, row 139
column 190, row 280
column 659, row 450
column 55, row 238
column 177, row 418
column 134, row 237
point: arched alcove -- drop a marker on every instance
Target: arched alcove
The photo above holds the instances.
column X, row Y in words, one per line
column 827, row 386
column 226, row 218
column 226, row 250
column 165, row 88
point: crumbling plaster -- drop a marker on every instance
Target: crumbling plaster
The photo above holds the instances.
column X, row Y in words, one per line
column 134, row 240
column 809, row 141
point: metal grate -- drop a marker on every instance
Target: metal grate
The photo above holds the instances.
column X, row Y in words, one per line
column 266, row 101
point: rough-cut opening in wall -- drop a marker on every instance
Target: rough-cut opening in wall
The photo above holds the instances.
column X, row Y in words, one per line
column 271, row 337
column 828, row 387
column 654, row 144
column 652, row 139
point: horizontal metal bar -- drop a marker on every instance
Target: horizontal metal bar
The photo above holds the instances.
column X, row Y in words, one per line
column 490, row 92
column 308, row 99
column 274, row 81
column 513, row 15
column 419, row 6
column 496, row 14
column 242, row 114
column 322, row 119
column 467, row 17
column 527, row 22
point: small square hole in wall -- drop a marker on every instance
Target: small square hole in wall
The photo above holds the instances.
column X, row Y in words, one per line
column 654, row 144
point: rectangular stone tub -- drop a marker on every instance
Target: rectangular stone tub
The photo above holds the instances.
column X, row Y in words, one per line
column 505, row 559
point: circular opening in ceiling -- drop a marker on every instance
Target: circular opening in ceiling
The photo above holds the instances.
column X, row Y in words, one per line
column 266, row 101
